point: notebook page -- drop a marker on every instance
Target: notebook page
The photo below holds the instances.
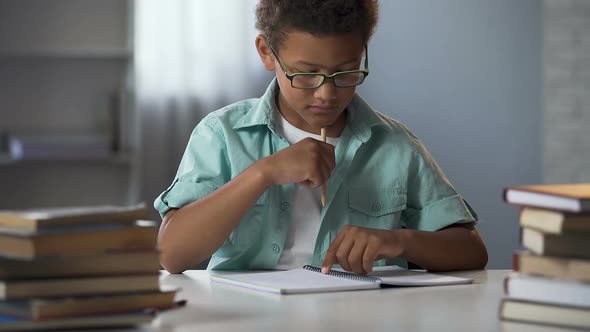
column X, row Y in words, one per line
column 397, row 276
column 292, row 281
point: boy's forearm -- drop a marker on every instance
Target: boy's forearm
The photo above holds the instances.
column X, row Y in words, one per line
column 453, row 248
column 191, row 234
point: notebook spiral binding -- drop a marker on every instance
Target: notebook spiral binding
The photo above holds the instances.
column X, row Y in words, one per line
column 346, row 275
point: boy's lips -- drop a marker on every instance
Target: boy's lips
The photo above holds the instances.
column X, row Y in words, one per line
column 322, row 108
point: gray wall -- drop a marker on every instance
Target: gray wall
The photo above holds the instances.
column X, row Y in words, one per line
column 465, row 76
column 566, row 58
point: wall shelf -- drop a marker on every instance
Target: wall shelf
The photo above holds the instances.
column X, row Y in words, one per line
column 89, row 54
column 67, row 70
column 116, row 158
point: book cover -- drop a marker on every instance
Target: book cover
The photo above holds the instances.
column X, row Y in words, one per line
column 556, row 267
column 548, row 290
column 8, row 323
column 56, row 287
column 562, row 197
column 51, row 308
column 76, row 240
column 556, row 222
column 108, row 263
column 37, row 219
column 572, row 244
column 544, row 314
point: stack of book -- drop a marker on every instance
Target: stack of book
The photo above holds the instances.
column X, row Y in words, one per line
column 79, row 267
column 59, row 146
column 551, row 279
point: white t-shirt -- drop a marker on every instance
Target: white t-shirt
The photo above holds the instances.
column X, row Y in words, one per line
column 306, row 208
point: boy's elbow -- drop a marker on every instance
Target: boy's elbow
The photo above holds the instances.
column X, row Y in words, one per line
column 177, row 259
column 479, row 257
column 171, row 265
column 170, row 256
column 482, row 257
column 173, row 269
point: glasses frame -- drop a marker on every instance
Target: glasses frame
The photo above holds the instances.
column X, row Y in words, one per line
column 291, row 76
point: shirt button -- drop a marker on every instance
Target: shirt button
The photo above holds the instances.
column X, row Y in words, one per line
column 376, row 206
column 276, row 248
column 284, row 206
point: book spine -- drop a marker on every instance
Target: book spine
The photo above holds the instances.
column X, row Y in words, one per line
column 515, row 261
column 505, row 284
column 504, row 195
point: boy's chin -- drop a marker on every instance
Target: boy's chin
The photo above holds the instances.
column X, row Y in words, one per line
column 324, row 123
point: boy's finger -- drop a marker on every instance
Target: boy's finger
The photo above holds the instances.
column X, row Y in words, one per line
column 355, row 257
column 330, row 155
column 369, row 257
column 343, row 253
column 314, row 183
column 330, row 258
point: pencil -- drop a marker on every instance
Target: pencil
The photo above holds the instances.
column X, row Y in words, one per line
column 324, row 186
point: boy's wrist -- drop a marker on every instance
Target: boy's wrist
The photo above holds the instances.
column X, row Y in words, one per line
column 262, row 170
column 403, row 237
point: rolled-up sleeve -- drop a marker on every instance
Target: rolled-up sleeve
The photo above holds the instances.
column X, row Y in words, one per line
column 204, row 168
column 432, row 202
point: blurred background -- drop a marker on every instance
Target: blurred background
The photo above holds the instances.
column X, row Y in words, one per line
column 98, row 97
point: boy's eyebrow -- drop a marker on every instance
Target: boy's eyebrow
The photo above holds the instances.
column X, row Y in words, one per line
column 311, row 64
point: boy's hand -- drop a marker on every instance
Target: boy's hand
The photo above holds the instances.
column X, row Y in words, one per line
column 356, row 248
column 308, row 162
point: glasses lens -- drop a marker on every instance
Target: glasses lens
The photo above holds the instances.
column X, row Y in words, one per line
column 307, row 81
column 349, row 79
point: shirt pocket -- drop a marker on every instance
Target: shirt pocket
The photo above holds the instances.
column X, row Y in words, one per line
column 377, row 207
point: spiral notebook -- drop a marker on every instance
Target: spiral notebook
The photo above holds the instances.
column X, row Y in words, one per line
column 309, row 279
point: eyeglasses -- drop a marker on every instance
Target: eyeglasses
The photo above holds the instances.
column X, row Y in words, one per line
column 341, row 79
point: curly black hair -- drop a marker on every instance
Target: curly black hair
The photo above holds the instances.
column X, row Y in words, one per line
column 274, row 18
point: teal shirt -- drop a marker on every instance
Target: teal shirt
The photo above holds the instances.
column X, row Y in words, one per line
column 384, row 178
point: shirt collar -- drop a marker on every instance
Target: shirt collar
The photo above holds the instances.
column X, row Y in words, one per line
column 261, row 112
column 360, row 118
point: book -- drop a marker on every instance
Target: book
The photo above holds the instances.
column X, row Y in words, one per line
column 542, row 313
column 557, row 267
column 309, row 279
column 562, row 197
column 547, row 290
column 114, row 262
column 59, row 146
column 37, row 288
column 573, row 245
column 38, row 219
column 555, row 222
column 8, row 323
column 79, row 239
column 51, row 308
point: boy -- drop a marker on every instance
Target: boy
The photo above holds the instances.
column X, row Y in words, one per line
column 248, row 187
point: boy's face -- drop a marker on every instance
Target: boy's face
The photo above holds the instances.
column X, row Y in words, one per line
column 312, row 109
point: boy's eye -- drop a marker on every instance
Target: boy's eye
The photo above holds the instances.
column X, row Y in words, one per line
column 317, row 70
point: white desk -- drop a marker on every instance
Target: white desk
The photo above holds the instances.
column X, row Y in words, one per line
column 216, row 307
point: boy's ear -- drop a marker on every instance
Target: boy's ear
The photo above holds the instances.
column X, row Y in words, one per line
column 265, row 53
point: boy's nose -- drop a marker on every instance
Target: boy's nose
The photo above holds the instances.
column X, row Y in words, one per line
column 326, row 91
